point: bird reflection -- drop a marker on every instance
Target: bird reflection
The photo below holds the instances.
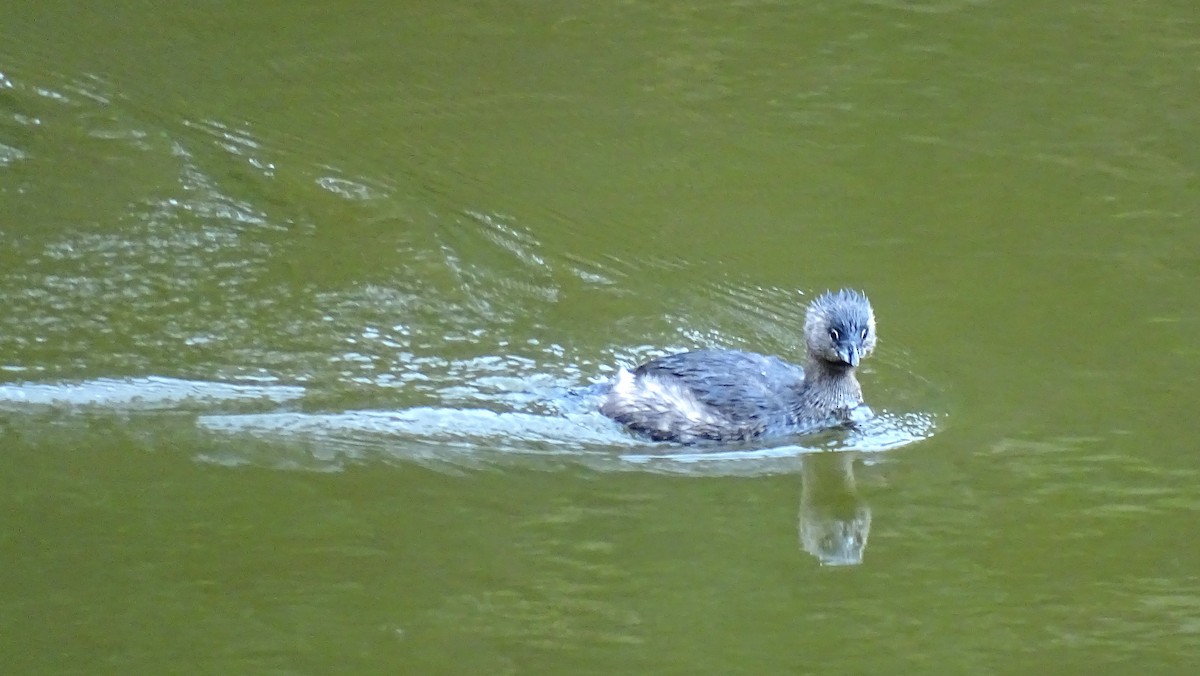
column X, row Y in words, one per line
column 834, row 520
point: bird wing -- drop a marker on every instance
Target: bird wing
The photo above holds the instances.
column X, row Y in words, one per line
column 741, row 385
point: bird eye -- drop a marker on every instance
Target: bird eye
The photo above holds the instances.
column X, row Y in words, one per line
column 863, row 335
column 833, row 333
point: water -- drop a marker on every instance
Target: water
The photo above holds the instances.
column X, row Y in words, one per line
column 296, row 299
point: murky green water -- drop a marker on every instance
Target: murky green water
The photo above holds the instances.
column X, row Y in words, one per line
column 296, row 297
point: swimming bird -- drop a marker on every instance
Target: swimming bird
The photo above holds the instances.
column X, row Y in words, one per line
column 726, row 395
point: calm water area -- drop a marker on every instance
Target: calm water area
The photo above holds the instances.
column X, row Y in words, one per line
column 299, row 300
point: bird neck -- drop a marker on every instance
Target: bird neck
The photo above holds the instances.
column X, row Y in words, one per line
column 828, row 389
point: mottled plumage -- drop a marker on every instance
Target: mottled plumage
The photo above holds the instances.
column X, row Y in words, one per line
column 733, row 395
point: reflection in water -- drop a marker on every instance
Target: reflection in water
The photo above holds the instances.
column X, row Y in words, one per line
column 834, row 520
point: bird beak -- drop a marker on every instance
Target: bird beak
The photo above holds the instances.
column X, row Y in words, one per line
column 849, row 354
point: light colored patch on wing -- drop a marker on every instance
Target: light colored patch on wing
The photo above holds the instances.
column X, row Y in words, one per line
column 664, row 401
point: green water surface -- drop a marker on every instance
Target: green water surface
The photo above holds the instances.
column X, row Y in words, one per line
column 451, row 214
